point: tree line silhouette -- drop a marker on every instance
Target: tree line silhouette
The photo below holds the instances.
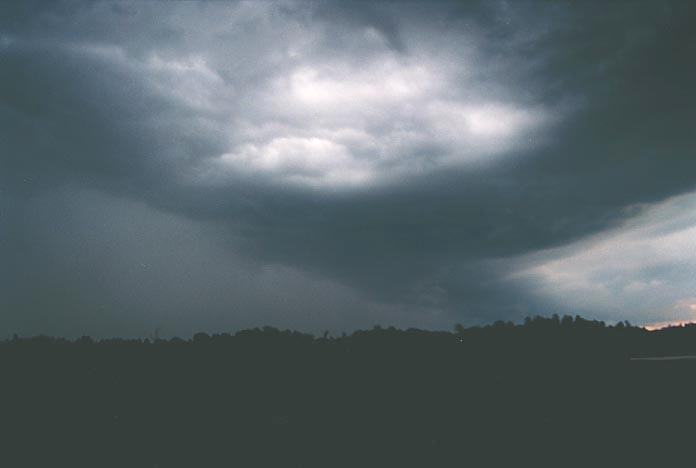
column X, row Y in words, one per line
column 550, row 391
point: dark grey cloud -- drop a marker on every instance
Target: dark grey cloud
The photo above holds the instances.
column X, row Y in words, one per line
column 385, row 162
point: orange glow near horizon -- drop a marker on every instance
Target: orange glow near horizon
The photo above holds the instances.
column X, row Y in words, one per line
column 674, row 323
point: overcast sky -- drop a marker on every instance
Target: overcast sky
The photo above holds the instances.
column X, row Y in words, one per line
column 214, row 166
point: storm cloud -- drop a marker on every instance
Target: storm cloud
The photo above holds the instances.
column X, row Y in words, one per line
column 188, row 166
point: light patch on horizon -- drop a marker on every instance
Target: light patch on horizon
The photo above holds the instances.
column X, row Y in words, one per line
column 685, row 308
column 616, row 270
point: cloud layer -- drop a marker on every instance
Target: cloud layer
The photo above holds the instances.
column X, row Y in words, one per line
column 404, row 163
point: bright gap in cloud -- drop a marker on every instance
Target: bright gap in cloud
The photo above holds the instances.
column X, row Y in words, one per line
column 643, row 271
column 325, row 120
column 339, row 126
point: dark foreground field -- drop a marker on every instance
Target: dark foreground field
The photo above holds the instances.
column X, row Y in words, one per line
column 551, row 392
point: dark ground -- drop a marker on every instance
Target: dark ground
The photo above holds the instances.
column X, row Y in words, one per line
column 552, row 393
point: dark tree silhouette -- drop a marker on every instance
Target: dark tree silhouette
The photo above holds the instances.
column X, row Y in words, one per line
column 555, row 391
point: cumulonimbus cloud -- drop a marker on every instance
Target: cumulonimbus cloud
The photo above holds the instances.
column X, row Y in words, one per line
column 408, row 154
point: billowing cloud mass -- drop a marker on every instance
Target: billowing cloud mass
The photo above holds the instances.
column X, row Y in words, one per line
column 209, row 166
